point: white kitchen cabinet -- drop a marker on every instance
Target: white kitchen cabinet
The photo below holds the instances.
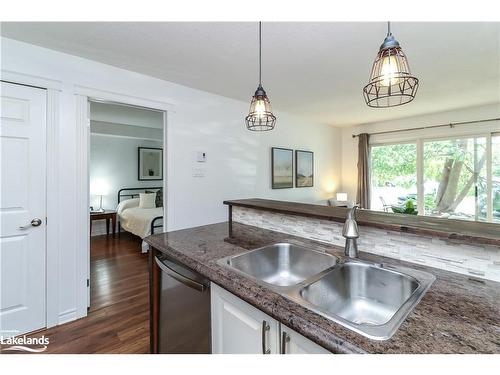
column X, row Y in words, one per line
column 292, row 342
column 240, row 328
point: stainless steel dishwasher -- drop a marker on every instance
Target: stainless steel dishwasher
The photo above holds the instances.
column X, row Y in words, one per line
column 184, row 324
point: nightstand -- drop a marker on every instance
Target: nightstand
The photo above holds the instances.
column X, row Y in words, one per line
column 108, row 215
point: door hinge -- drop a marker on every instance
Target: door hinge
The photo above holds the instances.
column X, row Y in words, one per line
column 88, row 283
column 46, row 220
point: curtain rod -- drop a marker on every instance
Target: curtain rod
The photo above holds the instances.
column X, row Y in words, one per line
column 450, row 125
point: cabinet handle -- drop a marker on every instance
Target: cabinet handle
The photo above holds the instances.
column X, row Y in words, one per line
column 265, row 328
column 285, row 337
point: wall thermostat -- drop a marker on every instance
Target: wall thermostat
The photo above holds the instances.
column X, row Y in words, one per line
column 201, row 156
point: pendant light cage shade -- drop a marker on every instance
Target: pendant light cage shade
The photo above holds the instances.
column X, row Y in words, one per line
column 260, row 116
column 391, row 83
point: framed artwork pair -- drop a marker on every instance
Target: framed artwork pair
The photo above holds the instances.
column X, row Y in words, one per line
column 282, row 172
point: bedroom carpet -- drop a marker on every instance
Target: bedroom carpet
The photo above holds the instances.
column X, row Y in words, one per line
column 118, row 319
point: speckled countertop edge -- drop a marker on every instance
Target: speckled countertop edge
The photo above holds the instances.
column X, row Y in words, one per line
column 457, row 315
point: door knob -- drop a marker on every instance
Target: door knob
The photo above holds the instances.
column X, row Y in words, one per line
column 34, row 223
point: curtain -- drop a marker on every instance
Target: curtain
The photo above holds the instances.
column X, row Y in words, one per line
column 363, row 190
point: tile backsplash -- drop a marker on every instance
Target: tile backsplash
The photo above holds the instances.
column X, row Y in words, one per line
column 475, row 260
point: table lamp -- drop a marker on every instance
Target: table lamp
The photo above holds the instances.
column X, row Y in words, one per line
column 99, row 188
column 342, row 197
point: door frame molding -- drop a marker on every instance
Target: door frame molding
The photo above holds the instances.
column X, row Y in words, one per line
column 83, row 95
column 53, row 89
column 52, row 210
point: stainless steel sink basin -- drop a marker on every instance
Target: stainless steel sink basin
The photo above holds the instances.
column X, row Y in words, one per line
column 281, row 264
column 368, row 298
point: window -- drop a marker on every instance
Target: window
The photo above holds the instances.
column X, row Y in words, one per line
column 393, row 176
column 455, row 178
column 459, row 177
column 495, row 177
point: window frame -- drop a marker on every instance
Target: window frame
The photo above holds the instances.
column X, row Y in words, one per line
column 420, row 141
column 370, row 147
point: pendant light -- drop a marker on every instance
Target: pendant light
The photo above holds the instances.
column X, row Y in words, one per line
column 391, row 83
column 260, row 116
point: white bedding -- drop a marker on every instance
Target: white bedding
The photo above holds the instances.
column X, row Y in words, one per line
column 137, row 220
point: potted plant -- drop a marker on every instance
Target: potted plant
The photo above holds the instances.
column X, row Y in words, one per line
column 408, row 208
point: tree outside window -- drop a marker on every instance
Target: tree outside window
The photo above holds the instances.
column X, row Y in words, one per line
column 454, row 172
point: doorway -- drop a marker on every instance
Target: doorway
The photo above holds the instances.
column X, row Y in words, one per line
column 126, row 198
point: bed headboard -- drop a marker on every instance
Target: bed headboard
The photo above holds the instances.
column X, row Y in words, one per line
column 130, row 193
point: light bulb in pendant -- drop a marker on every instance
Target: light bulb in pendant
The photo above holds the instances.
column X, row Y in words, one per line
column 389, row 71
column 260, row 117
column 391, row 82
column 260, row 108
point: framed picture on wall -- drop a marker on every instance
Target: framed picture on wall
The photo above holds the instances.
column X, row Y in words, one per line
column 281, row 168
column 304, row 168
column 150, row 162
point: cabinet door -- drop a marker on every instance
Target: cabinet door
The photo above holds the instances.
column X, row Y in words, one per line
column 239, row 328
column 294, row 343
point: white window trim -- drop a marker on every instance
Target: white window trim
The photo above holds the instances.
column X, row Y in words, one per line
column 489, row 178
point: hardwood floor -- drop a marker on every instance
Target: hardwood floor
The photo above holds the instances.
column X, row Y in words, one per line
column 118, row 319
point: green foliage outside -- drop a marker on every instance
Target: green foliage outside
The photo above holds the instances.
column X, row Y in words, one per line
column 396, row 164
column 408, row 208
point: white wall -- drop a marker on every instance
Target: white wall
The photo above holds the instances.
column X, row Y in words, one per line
column 239, row 165
column 125, row 115
column 238, row 160
column 113, row 160
column 350, row 145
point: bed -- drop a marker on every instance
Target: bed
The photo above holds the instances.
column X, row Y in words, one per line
column 139, row 221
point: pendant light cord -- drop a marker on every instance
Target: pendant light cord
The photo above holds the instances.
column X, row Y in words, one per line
column 388, row 28
column 260, row 53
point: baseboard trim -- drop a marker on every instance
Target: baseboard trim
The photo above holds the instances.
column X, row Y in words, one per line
column 67, row 316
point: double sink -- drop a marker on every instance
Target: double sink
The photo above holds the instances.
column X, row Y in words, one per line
column 370, row 299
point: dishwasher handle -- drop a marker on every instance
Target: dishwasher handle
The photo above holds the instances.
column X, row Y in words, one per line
column 180, row 278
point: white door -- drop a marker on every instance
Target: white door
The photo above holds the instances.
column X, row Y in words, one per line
column 22, row 209
column 239, row 328
column 294, row 343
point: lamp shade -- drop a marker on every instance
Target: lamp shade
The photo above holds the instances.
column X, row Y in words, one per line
column 260, row 116
column 391, row 82
column 342, row 197
column 99, row 187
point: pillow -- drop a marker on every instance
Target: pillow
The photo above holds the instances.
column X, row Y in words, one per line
column 127, row 203
column 147, row 200
column 159, row 198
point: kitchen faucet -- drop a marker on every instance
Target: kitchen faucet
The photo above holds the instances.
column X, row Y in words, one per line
column 351, row 233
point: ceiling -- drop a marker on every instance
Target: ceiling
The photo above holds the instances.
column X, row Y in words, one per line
column 314, row 70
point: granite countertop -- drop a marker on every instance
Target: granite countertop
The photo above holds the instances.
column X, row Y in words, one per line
column 458, row 314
